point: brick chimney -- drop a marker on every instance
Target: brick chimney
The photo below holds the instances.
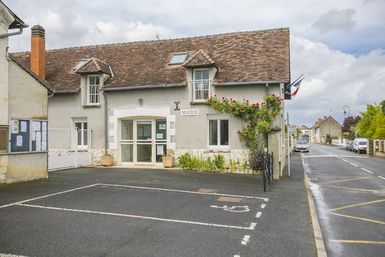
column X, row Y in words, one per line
column 38, row 51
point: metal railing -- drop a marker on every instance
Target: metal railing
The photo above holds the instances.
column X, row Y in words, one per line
column 267, row 170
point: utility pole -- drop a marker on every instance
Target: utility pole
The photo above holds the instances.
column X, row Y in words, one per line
column 288, row 145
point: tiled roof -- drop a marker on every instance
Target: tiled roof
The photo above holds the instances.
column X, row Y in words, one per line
column 199, row 59
column 94, row 65
column 240, row 57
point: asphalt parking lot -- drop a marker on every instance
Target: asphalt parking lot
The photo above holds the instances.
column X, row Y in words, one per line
column 128, row 212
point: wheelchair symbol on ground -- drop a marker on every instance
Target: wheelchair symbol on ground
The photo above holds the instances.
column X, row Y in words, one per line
column 235, row 208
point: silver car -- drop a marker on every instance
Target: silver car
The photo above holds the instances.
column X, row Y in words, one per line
column 301, row 146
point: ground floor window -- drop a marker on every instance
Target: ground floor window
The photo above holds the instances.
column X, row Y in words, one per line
column 81, row 131
column 218, row 132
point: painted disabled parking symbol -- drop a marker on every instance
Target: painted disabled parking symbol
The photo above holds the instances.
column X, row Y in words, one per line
column 235, row 208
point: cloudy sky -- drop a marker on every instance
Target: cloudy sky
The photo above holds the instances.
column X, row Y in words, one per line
column 338, row 45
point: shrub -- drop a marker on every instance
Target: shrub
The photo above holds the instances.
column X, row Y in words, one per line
column 256, row 160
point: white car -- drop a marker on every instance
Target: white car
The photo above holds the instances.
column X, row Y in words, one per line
column 360, row 145
column 301, row 146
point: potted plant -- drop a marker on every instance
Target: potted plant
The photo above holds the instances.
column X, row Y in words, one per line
column 168, row 159
column 107, row 159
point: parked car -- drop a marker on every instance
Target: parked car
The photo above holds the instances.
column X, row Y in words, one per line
column 360, row 145
column 301, row 146
column 349, row 145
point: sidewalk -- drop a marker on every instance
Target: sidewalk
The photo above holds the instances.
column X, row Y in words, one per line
column 287, row 229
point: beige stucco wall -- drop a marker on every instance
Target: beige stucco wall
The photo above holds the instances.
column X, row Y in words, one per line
column 334, row 129
column 5, row 20
column 27, row 97
column 25, row 167
column 27, row 100
column 191, row 132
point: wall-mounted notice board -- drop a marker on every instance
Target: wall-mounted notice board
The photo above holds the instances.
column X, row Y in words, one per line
column 28, row 135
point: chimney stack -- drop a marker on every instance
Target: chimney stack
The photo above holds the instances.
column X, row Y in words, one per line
column 38, row 51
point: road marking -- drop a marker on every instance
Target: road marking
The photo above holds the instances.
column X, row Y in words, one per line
column 357, row 204
column 234, row 208
column 258, row 215
column 355, row 165
column 11, row 255
column 237, row 255
column 252, row 226
column 357, row 242
column 183, row 191
column 357, row 218
column 351, row 188
column 49, row 195
column 344, row 180
column 229, row 199
column 381, row 177
column 367, row 170
column 263, row 206
column 245, row 240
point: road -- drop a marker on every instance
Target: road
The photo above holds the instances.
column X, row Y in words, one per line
column 349, row 193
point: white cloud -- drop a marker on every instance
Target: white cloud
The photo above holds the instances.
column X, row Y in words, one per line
column 110, row 32
column 334, row 79
column 336, row 19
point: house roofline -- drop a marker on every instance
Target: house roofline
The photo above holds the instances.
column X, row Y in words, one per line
column 111, row 89
column 43, row 83
column 248, row 83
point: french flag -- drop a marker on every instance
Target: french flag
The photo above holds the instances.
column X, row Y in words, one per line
column 294, row 87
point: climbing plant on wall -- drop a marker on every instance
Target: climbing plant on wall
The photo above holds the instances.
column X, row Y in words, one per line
column 258, row 119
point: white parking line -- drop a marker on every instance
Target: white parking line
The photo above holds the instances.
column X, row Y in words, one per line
column 258, row 215
column 252, row 225
column 49, row 195
column 183, row 191
column 11, row 255
column 381, row 177
column 245, row 240
column 367, row 170
column 355, row 165
column 237, row 255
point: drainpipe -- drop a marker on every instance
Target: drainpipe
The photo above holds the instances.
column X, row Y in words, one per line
column 13, row 33
column 105, row 123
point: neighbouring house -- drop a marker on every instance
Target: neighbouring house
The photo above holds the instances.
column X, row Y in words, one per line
column 137, row 100
column 23, row 111
column 323, row 127
column 305, row 132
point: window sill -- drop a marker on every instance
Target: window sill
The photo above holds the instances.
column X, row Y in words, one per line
column 219, row 149
column 91, row 105
column 199, row 103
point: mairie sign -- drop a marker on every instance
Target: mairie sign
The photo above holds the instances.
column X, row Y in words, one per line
column 189, row 112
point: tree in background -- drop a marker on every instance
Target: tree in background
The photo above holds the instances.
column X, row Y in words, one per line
column 372, row 123
column 383, row 106
column 349, row 122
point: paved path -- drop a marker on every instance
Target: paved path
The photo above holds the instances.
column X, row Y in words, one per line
column 129, row 212
column 349, row 192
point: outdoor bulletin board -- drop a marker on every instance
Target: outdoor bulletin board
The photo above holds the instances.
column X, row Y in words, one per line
column 28, row 135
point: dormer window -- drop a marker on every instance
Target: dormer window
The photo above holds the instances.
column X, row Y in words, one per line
column 93, row 90
column 178, row 58
column 201, row 85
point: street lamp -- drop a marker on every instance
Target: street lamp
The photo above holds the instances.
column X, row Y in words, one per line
column 346, row 109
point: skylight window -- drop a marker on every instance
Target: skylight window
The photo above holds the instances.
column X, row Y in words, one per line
column 178, row 58
column 81, row 63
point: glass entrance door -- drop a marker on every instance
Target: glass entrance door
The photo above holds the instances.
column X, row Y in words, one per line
column 144, row 141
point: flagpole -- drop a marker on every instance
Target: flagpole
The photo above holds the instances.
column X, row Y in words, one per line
column 296, row 80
